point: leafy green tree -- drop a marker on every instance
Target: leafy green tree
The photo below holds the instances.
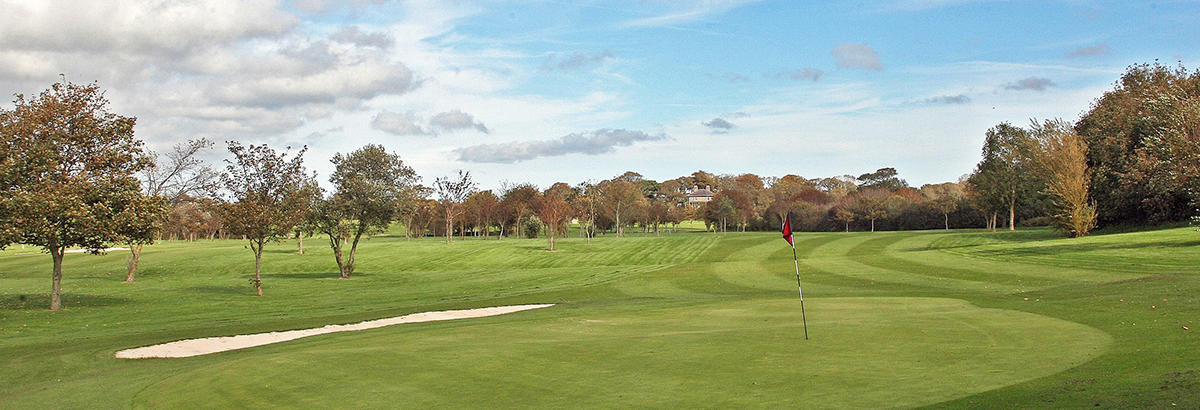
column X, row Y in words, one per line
column 719, row 211
column 1001, row 177
column 267, row 191
column 883, row 178
column 367, row 185
column 67, row 175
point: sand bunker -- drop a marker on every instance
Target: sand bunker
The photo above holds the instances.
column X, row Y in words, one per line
column 196, row 347
column 89, row 250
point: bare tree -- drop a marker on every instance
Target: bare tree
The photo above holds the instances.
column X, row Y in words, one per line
column 452, row 193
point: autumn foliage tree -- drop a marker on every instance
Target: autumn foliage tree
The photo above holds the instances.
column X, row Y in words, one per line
column 67, row 175
column 620, row 199
column 1061, row 158
column 555, row 213
column 267, row 190
column 1137, row 138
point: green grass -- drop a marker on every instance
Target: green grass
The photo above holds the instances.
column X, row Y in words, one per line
column 959, row 319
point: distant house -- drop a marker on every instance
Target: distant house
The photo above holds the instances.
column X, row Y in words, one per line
column 699, row 196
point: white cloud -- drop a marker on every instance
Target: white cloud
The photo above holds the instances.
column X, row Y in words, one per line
column 137, row 27
column 1091, row 51
column 398, row 123
column 947, row 99
column 579, row 61
column 354, row 35
column 810, row 74
column 597, row 142
column 686, row 11
column 853, row 55
column 457, row 120
column 1031, row 83
column 718, row 125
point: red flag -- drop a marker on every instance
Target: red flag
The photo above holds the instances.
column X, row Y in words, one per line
column 787, row 230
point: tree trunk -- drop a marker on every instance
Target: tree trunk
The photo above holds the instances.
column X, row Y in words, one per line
column 136, row 250
column 551, row 242
column 1012, row 213
column 257, row 248
column 300, row 241
column 56, row 289
column 872, row 224
column 349, row 267
column 947, row 217
column 336, row 244
column 618, row 215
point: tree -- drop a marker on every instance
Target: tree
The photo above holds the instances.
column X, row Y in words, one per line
column 483, row 208
column 181, row 177
column 883, row 178
column 555, row 213
column 139, row 224
column 946, row 197
column 67, row 175
column 367, row 185
column 844, row 216
column 588, row 204
column 452, row 193
column 1061, row 159
column 266, row 188
column 306, row 199
column 1001, row 176
column 870, row 203
column 719, row 210
column 838, row 187
column 518, row 203
column 1123, row 131
column 620, row 198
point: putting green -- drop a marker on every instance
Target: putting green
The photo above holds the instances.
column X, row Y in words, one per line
column 885, row 352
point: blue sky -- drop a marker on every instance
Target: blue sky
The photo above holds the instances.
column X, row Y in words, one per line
column 546, row 91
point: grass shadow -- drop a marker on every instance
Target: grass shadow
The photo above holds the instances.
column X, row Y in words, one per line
column 69, row 300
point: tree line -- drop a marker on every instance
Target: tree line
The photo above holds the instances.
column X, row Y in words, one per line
column 72, row 174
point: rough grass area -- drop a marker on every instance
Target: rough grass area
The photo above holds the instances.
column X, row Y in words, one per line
column 700, row 320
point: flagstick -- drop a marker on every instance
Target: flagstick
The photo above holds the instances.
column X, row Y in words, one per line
column 803, row 317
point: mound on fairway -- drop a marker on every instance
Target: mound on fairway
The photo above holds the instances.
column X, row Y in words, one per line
column 874, row 352
column 209, row 345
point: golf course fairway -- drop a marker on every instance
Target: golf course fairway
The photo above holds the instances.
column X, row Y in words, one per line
column 714, row 355
column 938, row 319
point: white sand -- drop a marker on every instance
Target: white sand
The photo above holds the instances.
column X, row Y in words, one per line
column 89, row 250
column 196, row 347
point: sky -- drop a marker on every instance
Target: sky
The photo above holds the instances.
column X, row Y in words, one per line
column 571, row 91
